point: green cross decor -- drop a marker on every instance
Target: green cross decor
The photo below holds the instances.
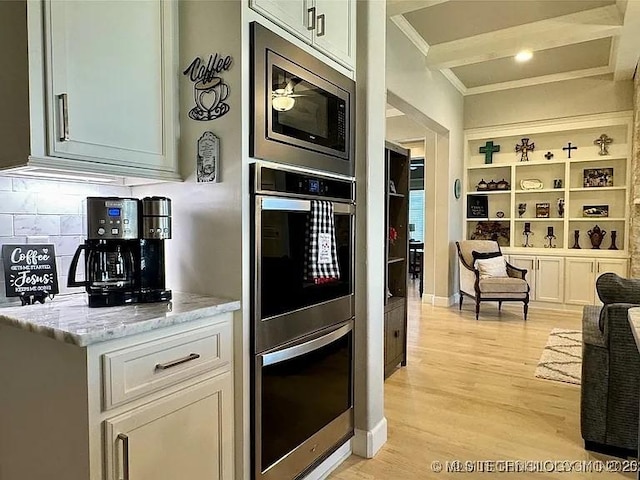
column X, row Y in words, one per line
column 489, row 149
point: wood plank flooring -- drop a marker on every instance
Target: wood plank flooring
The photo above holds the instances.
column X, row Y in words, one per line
column 469, row 393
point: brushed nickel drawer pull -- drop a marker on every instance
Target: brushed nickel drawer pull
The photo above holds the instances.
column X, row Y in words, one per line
column 125, row 455
column 311, row 18
column 320, row 25
column 180, row 361
column 63, row 117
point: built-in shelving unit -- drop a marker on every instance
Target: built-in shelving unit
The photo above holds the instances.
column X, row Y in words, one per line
column 565, row 186
column 398, row 162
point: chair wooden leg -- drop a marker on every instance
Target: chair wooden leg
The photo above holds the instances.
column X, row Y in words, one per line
column 526, row 310
column 460, row 301
column 477, row 308
column 499, row 306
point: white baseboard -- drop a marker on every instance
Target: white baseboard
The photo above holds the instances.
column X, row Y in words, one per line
column 445, row 301
column 366, row 443
column 427, row 298
column 331, row 463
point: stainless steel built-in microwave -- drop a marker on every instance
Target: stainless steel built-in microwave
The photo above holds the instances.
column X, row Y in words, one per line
column 303, row 110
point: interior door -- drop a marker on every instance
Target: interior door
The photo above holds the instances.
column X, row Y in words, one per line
column 106, row 81
column 187, row 435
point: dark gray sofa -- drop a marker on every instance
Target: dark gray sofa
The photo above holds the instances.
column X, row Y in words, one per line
column 610, row 389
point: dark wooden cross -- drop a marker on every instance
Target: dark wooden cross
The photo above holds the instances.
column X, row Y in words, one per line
column 548, row 155
column 524, row 149
column 489, row 149
column 603, row 141
column 569, row 148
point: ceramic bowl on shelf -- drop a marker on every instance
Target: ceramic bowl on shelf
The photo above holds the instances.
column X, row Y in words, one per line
column 531, row 184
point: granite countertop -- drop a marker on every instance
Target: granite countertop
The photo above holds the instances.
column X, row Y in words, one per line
column 634, row 320
column 69, row 319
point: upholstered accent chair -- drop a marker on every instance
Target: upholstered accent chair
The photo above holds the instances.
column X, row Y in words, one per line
column 510, row 288
column 610, row 387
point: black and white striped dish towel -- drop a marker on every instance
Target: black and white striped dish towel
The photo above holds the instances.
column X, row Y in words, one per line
column 321, row 259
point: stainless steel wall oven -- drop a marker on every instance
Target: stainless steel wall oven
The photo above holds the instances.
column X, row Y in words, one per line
column 303, row 110
column 302, row 332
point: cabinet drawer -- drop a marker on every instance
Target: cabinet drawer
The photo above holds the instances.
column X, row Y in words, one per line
column 142, row 369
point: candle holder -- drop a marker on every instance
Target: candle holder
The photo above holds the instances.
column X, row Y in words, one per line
column 550, row 237
column 576, row 236
column 526, row 232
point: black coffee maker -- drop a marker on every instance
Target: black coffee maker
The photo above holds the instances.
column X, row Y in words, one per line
column 124, row 251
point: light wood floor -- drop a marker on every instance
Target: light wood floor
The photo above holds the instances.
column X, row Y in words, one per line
column 469, row 393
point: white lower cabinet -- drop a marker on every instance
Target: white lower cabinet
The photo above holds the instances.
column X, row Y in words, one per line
column 582, row 273
column 544, row 275
column 185, row 435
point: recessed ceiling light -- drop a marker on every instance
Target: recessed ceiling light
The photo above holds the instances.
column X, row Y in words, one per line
column 524, row 56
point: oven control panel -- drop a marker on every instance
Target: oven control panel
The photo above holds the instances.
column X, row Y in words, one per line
column 302, row 183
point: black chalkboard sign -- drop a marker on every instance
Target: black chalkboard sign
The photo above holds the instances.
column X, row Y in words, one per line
column 477, row 206
column 29, row 270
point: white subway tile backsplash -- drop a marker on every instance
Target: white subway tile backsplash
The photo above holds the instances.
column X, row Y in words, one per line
column 66, row 245
column 36, row 224
column 18, row 202
column 6, row 225
column 59, row 204
column 35, row 185
column 72, row 225
column 5, row 183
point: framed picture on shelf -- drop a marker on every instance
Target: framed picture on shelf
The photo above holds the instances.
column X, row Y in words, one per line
column 542, row 210
column 477, row 206
column 598, row 177
column 595, row 210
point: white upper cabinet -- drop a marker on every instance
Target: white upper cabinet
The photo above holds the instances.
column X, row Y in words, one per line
column 328, row 25
column 106, row 82
column 102, row 88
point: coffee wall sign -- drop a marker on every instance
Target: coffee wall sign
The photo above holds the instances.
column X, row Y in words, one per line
column 209, row 89
column 30, row 272
column 208, row 158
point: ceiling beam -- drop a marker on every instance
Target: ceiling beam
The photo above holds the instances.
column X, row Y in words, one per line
column 627, row 51
column 399, row 7
column 527, row 82
column 578, row 27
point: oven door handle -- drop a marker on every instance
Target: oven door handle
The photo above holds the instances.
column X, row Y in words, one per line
column 310, row 346
column 296, row 205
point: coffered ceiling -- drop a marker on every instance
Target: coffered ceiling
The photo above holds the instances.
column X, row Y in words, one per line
column 473, row 42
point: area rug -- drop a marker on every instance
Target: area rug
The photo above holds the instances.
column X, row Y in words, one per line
column 561, row 358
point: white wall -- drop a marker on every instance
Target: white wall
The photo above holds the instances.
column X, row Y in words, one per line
column 570, row 98
column 431, row 94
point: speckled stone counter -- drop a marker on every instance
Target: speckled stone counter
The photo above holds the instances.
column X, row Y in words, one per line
column 634, row 320
column 69, row 319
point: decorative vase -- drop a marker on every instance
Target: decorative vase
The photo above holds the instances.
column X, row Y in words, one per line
column 596, row 235
column 560, row 205
column 522, row 207
column 614, row 235
column 576, row 234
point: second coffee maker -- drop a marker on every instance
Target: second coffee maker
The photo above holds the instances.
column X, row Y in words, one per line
column 124, row 251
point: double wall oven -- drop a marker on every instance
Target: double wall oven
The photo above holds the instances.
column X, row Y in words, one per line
column 302, row 334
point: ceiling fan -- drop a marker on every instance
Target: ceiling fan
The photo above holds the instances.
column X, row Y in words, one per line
column 283, row 99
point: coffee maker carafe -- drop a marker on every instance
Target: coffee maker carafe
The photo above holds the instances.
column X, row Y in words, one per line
column 124, row 251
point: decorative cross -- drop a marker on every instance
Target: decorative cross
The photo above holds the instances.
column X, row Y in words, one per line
column 603, row 141
column 548, row 155
column 489, row 149
column 569, row 148
column 524, row 149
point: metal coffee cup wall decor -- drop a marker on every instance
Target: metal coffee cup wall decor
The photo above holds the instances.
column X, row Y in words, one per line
column 209, row 89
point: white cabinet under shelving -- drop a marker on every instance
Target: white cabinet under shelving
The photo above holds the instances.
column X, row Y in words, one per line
column 544, row 275
column 581, row 276
column 327, row 25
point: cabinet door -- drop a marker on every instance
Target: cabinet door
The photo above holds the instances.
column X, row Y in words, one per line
column 335, row 29
column 528, row 263
column 615, row 265
column 394, row 332
column 294, row 16
column 185, row 435
column 110, row 72
column 550, row 279
column 579, row 281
